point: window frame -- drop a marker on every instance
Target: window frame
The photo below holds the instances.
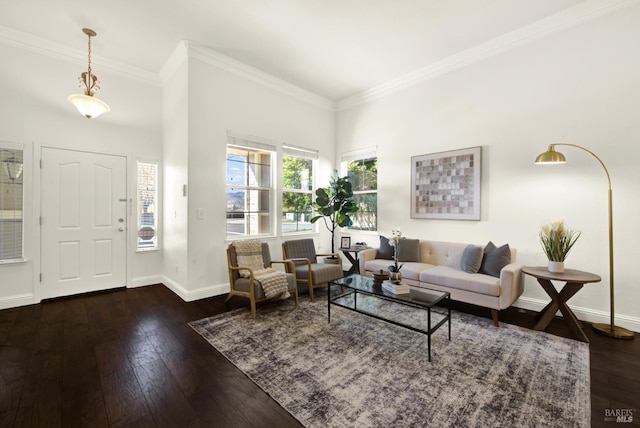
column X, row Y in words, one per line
column 156, row 211
column 303, row 154
column 255, row 145
column 361, row 156
column 8, row 151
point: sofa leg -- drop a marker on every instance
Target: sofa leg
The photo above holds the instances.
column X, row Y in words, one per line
column 494, row 315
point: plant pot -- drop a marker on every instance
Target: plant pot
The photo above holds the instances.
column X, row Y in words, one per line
column 395, row 277
column 555, row 267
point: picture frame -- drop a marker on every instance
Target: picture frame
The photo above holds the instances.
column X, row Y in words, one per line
column 345, row 242
column 446, row 185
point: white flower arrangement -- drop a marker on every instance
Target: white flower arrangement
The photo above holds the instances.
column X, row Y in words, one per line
column 396, row 235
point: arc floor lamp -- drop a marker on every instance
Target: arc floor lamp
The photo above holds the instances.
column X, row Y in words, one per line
column 553, row 157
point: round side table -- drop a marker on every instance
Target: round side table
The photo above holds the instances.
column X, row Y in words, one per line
column 574, row 281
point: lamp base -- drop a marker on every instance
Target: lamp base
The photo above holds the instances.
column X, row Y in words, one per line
column 613, row 331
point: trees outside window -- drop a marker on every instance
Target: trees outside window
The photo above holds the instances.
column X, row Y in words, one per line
column 363, row 175
column 297, row 192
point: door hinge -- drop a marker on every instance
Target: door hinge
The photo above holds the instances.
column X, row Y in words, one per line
column 40, row 277
column 40, row 220
column 40, row 163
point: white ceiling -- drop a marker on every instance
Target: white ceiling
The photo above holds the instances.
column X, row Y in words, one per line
column 334, row 48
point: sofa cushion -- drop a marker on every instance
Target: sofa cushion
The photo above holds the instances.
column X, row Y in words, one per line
column 409, row 250
column 453, row 278
column 385, row 251
column 471, row 259
column 410, row 270
column 494, row 259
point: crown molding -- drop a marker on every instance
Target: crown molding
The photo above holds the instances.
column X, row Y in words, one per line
column 568, row 18
column 41, row 46
column 178, row 57
column 212, row 57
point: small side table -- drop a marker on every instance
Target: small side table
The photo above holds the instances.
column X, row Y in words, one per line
column 574, row 281
column 352, row 255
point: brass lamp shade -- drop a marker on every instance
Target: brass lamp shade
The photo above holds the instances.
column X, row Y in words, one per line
column 551, row 156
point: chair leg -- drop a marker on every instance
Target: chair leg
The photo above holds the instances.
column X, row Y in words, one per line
column 253, row 308
column 295, row 295
column 494, row 315
column 228, row 297
column 311, row 292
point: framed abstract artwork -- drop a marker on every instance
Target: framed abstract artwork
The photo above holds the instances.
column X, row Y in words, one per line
column 446, row 185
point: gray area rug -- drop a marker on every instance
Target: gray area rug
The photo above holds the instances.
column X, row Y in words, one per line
column 361, row 372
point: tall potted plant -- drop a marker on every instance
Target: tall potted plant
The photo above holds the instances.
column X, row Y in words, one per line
column 334, row 204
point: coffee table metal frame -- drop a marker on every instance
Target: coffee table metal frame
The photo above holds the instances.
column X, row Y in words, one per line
column 419, row 298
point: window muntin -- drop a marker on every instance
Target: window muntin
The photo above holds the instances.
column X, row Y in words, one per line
column 297, row 192
column 363, row 175
column 11, row 204
column 147, row 205
column 249, row 191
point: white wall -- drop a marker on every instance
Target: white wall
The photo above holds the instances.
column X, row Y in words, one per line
column 175, row 172
column 580, row 85
column 34, row 111
column 219, row 101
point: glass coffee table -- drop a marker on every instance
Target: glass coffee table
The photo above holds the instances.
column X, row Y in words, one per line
column 359, row 294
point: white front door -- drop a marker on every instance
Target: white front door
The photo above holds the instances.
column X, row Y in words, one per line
column 84, row 222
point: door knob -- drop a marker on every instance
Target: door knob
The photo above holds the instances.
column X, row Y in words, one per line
column 121, row 229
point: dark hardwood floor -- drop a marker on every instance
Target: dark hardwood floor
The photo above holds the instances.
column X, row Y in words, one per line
column 128, row 358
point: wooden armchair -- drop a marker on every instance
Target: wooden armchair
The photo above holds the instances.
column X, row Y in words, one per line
column 249, row 287
column 308, row 270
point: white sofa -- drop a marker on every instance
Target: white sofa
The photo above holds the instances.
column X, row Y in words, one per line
column 439, row 268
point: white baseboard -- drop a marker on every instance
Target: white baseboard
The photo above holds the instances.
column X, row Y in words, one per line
column 143, row 281
column 18, row 300
column 583, row 314
column 197, row 294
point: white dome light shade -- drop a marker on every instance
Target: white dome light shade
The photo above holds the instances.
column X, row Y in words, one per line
column 89, row 106
column 13, row 168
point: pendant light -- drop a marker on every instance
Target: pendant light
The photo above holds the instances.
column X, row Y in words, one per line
column 87, row 104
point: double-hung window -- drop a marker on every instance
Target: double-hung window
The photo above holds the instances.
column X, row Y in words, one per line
column 147, row 202
column 249, row 186
column 298, row 172
column 362, row 169
column 11, row 202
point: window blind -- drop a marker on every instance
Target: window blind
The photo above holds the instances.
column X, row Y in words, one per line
column 365, row 153
column 11, row 203
column 250, row 141
column 299, row 152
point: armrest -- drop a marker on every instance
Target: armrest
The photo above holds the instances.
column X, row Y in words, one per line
column 511, row 284
column 251, row 278
column 301, row 259
column 365, row 256
column 289, row 266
